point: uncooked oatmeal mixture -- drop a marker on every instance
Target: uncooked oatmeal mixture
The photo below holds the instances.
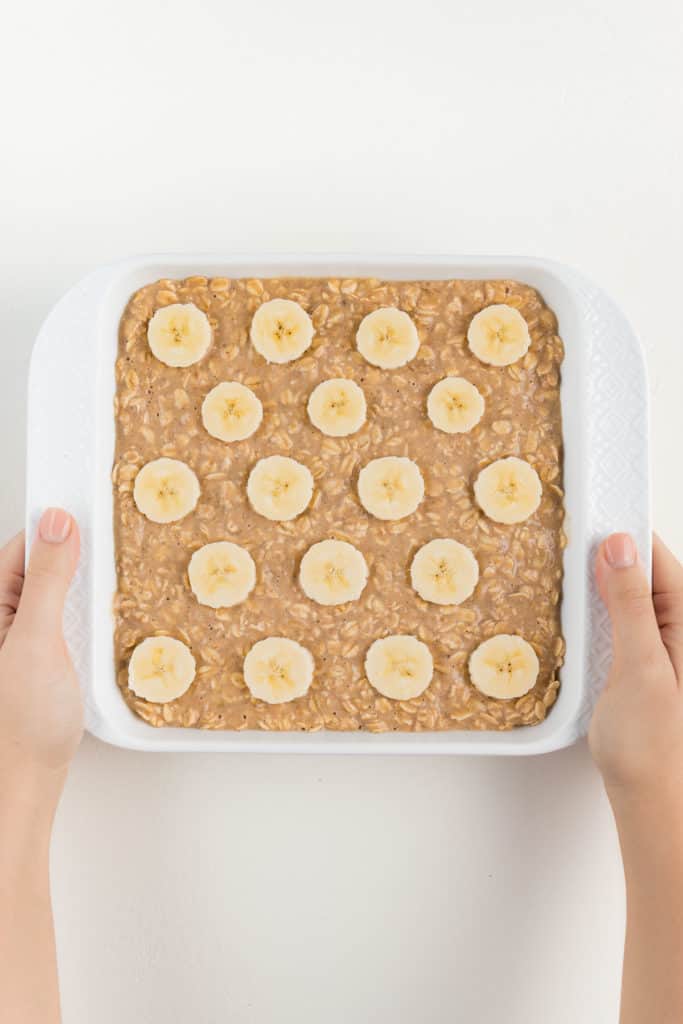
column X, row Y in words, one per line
column 158, row 413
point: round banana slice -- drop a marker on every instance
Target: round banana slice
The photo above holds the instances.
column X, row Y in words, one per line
column 278, row 670
column 281, row 330
column 337, row 407
column 505, row 666
column 231, row 412
column 165, row 490
column 279, row 488
column 387, row 338
column 391, row 487
column 399, row 666
column 499, row 335
column 179, row 335
column 221, row 574
column 444, row 572
column 509, row 490
column 454, row 405
column 333, row 572
column 161, row 669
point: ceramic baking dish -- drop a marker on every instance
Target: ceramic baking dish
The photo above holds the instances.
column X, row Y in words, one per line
column 71, row 444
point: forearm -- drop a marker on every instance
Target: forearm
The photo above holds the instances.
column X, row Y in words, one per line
column 651, row 838
column 29, row 991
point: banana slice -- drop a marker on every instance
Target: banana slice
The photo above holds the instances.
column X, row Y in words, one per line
column 505, row 666
column 179, row 335
column 279, row 488
column 165, row 490
column 399, row 666
column 391, row 487
column 161, row 669
column 278, row 670
column 221, row 574
column 387, row 338
column 281, row 330
column 333, row 572
column 454, row 405
column 337, row 407
column 509, row 490
column 231, row 412
column 444, row 572
column 499, row 335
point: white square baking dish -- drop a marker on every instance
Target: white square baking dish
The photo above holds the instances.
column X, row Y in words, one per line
column 70, row 450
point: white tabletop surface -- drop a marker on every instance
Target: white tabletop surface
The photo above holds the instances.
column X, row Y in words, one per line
column 218, row 889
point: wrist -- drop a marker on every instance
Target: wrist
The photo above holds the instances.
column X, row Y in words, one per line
column 650, row 825
column 28, row 801
column 645, row 801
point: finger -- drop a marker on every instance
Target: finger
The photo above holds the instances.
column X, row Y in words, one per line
column 667, row 579
column 667, row 571
column 627, row 594
column 52, row 563
column 12, row 571
column 12, row 556
column 11, row 582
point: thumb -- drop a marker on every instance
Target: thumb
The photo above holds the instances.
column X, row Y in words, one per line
column 625, row 589
column 52, row 564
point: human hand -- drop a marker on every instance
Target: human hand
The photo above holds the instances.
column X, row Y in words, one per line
column 40, row 703
column 636, row 738
column 40, row 727
column 636, row 735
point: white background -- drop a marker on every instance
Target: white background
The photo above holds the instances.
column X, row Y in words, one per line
column 212, row 889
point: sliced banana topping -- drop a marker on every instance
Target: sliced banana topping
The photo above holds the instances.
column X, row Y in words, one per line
column 179, row 335
column 506, row 666
column 221, row 574
column 387, row 338
column 509, row 490
column 337, row 407
column 281, row 330
column 231, row 411
column 454, row 405
column 161, row 669
column 399, row 667
column 278, row 670
column 165, row 490
column 391, row 487
column 444, row 572
column 279, row 488
column 333, row 572
column 499, row 335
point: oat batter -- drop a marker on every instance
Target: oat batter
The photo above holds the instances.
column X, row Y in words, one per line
column 158, row 414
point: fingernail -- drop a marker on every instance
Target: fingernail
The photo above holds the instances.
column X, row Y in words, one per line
column 55, row 525
column 620, row 551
